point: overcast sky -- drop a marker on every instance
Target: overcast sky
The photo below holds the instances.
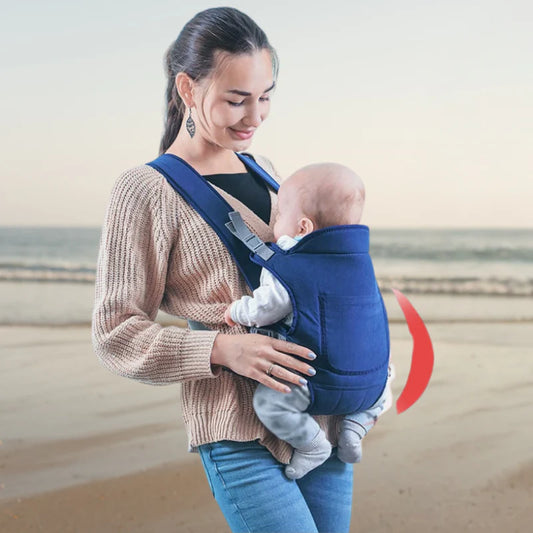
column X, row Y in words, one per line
column 431, row 102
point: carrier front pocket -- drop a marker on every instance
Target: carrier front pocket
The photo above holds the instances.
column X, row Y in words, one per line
column 354, row 333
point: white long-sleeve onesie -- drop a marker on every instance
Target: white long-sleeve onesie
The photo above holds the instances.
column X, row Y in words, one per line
column 270, row 302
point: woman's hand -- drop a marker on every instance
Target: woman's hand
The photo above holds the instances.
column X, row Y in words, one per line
column 253, row 355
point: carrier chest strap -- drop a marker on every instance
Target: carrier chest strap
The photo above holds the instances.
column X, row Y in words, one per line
column 240, row 230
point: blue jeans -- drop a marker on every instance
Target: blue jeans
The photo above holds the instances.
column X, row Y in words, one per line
column 254, row 495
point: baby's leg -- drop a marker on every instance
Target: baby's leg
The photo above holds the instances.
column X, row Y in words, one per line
column 356, row 425
column 283, row 414
column 353, row 428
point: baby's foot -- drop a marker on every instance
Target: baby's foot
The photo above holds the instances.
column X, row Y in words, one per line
column 349, row 447
column 304, row 460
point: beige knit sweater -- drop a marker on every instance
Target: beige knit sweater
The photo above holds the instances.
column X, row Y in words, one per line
column 157, row 252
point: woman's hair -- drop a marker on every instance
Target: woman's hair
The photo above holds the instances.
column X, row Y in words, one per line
column 193, row 52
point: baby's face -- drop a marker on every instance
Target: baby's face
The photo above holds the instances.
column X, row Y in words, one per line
column 289, row 212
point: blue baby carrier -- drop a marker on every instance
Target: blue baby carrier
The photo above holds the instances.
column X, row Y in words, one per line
column 337, row 306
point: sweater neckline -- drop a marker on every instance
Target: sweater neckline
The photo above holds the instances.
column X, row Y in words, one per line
column 225, row 174
column 257, row 224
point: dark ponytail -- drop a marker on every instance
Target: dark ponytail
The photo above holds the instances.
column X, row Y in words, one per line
column 193, row 52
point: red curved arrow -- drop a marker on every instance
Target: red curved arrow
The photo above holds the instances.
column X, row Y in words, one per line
column 422, row 358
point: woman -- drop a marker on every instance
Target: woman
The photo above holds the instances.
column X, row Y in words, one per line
column 157, row 252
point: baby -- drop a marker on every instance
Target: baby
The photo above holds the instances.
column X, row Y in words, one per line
column 314, row 197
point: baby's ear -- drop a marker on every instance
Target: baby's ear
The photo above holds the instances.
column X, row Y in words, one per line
column 305, row 226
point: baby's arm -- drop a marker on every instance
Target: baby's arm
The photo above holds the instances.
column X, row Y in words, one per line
column 269, row 303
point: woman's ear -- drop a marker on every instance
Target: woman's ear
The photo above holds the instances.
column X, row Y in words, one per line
column 305, row 226
column 184, row 85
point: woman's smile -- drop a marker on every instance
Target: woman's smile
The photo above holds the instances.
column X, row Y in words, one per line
column 242, row 134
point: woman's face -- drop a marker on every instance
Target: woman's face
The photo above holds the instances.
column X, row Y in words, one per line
column 233, row 102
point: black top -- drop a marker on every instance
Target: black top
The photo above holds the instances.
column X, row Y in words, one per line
column 248, row 189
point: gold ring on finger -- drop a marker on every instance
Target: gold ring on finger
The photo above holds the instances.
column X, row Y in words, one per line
column 269, row 371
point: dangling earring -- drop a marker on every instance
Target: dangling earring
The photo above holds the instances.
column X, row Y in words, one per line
column 190, row 125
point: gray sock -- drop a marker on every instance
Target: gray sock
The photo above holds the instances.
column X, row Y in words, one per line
column 349, row 447
column 306, row 458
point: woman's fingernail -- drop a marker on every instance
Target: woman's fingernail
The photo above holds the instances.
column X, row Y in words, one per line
column 311, row 371
column 303, row 381
column 286, row 389
column 311, row 355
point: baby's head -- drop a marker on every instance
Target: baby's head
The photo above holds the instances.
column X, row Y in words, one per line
column 317, row 196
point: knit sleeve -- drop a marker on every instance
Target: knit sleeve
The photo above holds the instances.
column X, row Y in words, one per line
column 130, row 283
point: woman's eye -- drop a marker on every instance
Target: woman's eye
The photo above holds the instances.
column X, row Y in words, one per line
column 237, row 104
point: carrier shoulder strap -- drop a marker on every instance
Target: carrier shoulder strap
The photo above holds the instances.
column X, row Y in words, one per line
column 210, row 205
column 250, row 162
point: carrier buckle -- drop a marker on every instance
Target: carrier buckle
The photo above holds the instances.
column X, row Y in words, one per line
column 239, row 229
column 268, row 333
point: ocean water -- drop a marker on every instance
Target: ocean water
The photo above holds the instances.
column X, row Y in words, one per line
column 47, row 274
column 471, row 262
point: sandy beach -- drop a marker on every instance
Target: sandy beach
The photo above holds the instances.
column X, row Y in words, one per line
column 85, row 451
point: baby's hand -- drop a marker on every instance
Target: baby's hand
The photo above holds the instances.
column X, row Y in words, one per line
column 227, row 317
